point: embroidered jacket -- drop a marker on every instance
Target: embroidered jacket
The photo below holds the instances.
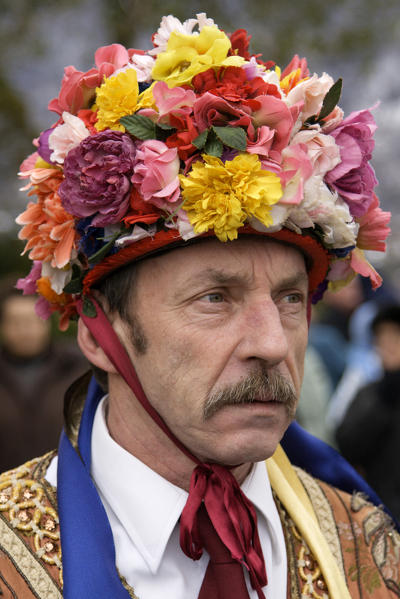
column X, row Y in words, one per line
column 360, row 535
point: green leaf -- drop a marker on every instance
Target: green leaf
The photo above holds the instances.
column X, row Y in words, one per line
column 331, row 99
column 233, row 137
column 88, row 308
column 201, row 139
column 99, row 255
column 165, row 126
column 139, row 126
column 74, row 286
column 214, row 147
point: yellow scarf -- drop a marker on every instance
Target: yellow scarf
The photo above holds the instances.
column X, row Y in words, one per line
column 294, row 498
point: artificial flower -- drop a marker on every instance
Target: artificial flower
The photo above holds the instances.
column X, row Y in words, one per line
column 28, row 284
column 354, row 177
column 221, row 196
column 156, row 169
column 98, row 177
column 311, row 92
column 212, row 110
column 322, row 149
column 115, row 98
column 170, row 23
column 66, row 136
column 373, row 228
column 188, row 55
column 47, row 226
column 78, row 88
column 277, row 116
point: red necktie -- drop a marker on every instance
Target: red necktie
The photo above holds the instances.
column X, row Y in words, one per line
column 224, row 576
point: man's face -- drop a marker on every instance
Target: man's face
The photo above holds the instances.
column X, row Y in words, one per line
column 219, row 316
column 23, row 333
column 387, row 342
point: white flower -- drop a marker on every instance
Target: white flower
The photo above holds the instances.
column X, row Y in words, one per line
column 66, row 136
column 143, row 64
column 278, row 213
column 137, row 233
column 312, row 92
column 58, row 277
column 322, row 150
column 326, row 209
column 170, row 23
column 186, row 230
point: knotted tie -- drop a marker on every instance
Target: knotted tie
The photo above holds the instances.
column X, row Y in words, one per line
column 224, row 576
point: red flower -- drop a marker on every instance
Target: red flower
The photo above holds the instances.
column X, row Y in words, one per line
column 186, row 132
column 240, row 41
column 231, row 83
column 140, row 211
column 89, row 118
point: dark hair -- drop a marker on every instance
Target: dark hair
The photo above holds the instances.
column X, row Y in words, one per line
column 388, row 314
column 118, row 290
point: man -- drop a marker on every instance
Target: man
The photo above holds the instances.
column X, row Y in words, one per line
column 375, row 411
column 188, row 210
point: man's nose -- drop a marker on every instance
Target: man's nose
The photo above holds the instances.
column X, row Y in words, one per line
column 263, row 336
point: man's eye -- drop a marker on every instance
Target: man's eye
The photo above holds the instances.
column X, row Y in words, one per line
column 293, row 298
column 214, row 298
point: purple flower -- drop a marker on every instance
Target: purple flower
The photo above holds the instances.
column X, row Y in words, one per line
column 43, row 147
column 98, row 177
column 354, row 178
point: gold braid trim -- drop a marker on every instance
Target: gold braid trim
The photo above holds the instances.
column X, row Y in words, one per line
column 25, row 515
column 324, row 514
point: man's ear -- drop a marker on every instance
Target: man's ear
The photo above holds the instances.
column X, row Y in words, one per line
column 92, row 350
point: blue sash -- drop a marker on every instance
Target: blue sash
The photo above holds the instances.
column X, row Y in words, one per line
column 88, row 551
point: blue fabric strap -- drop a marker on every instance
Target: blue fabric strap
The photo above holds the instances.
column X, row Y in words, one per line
column 87, row 544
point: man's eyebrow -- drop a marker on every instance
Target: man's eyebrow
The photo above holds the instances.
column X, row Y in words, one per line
column 299, row 278
column 212, row 276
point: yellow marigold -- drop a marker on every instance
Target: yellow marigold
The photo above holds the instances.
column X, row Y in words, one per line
column 221, row 196
column 188, row 55
column 116, row 97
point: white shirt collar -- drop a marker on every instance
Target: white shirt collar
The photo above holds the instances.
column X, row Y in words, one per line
column 123, row 481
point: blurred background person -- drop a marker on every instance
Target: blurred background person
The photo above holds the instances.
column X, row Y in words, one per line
column 369, row 435
column 34, row 373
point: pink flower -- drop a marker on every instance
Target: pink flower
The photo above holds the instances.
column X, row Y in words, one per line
column 322, row 150
column 295, row 64
column 175, row 101
column 28, row 284
column 373, row 228
column 66, row 136
column 278, row 117
column 354, row 178
column 312, row 92
column 213, row 110
column 156, row 169
column 297, row 168
column 78, row 88
column 360, row 264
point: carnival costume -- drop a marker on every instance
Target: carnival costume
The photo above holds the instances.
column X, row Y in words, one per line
column 153, row 150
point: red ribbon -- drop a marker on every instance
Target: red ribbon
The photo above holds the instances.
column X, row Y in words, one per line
column 232, row 515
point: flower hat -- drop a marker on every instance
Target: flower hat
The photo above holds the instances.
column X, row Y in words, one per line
column 196, row 137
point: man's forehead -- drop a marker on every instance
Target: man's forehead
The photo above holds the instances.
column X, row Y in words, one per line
column 231, row 262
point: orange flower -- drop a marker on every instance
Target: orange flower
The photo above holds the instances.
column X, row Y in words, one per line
column 48, row 228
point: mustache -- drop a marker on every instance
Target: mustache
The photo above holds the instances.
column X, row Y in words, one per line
column 259, row 386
